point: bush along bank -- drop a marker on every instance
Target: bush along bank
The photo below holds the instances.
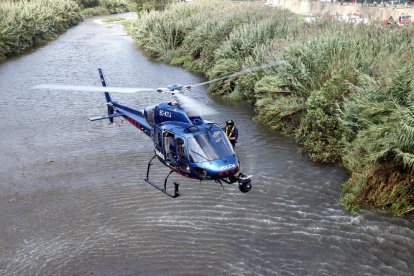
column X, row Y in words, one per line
column 103, row 7
column 345, row 92
column 26, row 24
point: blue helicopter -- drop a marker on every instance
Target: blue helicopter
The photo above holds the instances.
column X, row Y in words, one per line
column 183, row 140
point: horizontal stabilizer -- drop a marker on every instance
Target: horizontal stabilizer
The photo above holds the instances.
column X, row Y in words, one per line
column 104, row 117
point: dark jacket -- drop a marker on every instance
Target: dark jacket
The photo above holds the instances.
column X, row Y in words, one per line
column 232, row 133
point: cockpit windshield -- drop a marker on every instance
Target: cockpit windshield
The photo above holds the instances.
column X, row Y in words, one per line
column 208, row 146
column 222, row 143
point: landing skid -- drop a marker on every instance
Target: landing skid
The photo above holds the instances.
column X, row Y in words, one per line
column 164, row 190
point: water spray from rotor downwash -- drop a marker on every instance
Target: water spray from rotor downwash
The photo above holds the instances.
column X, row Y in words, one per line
column 193, row 106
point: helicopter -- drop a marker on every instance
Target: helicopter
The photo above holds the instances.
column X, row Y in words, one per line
column 183, row 141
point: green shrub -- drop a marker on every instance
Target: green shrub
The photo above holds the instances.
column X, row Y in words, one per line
column 26, row 24
column 115, row 6
column 146, row 5
column 87, row 3
column 379, row 147
column 94, row 11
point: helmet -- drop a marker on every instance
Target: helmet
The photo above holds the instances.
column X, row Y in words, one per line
column 230, row 122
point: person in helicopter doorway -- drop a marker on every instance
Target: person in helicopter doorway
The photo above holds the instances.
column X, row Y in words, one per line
column 232, row 132
column 171, row 151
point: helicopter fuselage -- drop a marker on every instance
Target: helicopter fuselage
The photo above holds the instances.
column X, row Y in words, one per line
column 184, row 142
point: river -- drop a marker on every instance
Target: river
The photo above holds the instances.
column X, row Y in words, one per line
column 73, row 200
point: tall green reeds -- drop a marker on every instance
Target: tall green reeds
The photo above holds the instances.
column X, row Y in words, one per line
column 115, row 6
column 379, row 145
column 345, row 92
column 25, row 24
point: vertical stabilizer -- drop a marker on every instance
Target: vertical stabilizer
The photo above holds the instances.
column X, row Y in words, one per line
column 107, row 96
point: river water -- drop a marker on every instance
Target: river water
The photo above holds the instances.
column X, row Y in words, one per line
column 73, row 200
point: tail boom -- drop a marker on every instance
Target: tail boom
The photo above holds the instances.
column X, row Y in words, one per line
column 115, row 109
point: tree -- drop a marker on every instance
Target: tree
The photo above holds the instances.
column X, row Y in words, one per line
column 146, row 5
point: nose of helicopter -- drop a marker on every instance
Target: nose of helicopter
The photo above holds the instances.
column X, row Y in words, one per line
column 222, row 168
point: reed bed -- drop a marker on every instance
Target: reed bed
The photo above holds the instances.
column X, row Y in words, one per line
column 26, row 24
column 345, row 91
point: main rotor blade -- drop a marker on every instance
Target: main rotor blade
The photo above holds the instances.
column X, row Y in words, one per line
column 194, row 106
column 242, row 72
column 93, row 88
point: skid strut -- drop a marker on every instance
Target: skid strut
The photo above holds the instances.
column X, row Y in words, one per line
column 164, row 190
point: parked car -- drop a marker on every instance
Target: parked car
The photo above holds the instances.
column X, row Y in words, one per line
column 404, row 20
column 355, row 18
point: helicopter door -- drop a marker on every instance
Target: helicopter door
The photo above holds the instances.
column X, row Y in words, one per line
column 158, row 143
column 181, row 151
column 157, row 139
column 169, row 146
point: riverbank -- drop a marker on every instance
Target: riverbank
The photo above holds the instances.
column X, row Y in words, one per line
column 27, row 24
column 344, row 93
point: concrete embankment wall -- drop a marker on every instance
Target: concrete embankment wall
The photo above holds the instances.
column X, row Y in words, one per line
column 317, row 8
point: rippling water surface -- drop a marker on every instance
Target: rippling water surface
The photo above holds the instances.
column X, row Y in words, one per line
column 73, row 200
